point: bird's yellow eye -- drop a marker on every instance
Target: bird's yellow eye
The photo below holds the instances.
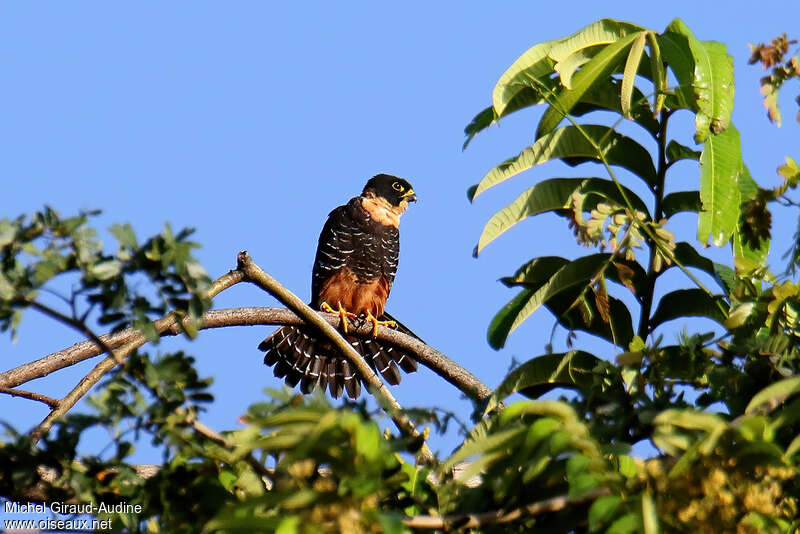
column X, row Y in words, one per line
column 397, row 186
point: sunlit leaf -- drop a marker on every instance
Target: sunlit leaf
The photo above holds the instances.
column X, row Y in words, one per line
column 650, row 522
column 106, row 269
column 550, row 195
column 567, row 67
column 574, row 369
column 712, row 78
column 601, row 32
column 600, row 66
column 658, row 73
column 720, row 168
column 690, row 419
column 589, row 142
column 629, row 74
column 532, row 65
column 774, row 395
column 603, row 510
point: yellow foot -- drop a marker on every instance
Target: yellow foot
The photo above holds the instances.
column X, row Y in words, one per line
column 343, row 314
column 371, row 318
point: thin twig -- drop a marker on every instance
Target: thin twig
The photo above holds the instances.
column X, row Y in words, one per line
column 108, row 363
column 86, row 383
column 498, row 517
column 30, row 395
column 253, row 273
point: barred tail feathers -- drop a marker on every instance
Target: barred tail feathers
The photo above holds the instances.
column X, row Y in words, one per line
column 298, row 357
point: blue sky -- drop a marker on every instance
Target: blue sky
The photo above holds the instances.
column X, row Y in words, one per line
column 252, row 120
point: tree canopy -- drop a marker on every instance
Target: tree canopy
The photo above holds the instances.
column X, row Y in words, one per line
column 720, row 408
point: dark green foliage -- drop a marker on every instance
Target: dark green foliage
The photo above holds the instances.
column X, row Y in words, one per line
column 34, row 251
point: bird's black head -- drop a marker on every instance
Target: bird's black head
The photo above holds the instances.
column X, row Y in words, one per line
column 395, row 190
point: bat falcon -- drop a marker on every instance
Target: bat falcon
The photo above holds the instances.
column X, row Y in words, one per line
column 354, row 269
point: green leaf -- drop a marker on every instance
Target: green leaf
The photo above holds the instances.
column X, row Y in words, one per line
column 789, row 170
column 534, row 64
column 627, row 524
column 125, row 235
column 573, row 317
column 391, row 523
column 675, row 51
column 228, row 479
column 712, row 80
column 627, row 466
column 681, row 201
column 549, row 195
column 503, row 321
column 677, row 152
column 774, row 395
column 8, row 232
column 650, row 523
column 714, row 88
column 575, row 369
column 485, row 444
column 479, row 122
column 689, row 303
column 523, row 97
column 537, row 271
column 289, row 525
column 605, row 96
column 601, row 32
column 793, row 447
column 689, row 257
column 658, row 72
column 748, row 190
column 720, row 167
column 584, row 315
column 629, row 74
column 599, row 68
column 603, row 510
column 573, row 274
column 106, row 270
column 571, row 144
column 690, row 420
column 566, row 68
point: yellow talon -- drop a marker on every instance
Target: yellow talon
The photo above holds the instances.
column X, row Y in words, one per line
column 372, row 319
column 343, row 314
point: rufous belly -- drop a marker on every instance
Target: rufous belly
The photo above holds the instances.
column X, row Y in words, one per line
column 354, row 296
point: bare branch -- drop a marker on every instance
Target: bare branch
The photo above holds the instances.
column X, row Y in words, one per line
column 30, row 395
column 498, row 517
column 80, row 326
column 253, row 273
column 131, row 339
column 254, row 316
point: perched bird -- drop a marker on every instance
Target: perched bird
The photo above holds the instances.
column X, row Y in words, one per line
column 353, row 272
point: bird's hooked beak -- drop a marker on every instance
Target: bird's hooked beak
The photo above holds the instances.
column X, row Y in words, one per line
column 409, row 196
